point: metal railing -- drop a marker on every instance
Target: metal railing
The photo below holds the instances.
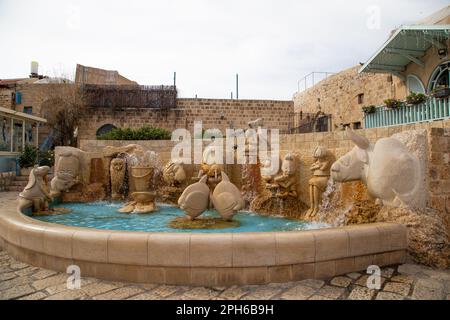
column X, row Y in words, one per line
column 311, row 79
column 301, row 122
column 433, row 109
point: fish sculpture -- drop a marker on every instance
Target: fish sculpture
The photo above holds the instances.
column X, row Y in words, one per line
column 195, row 198
column 227, row 198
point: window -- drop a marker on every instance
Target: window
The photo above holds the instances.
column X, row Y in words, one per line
column 356, row 125
column 361, row 98
column 105, row 129
column 414, row 84
column 28, row 110
column 440, row 77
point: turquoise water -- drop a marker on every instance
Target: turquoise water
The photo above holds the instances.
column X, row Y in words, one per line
column 104, row 215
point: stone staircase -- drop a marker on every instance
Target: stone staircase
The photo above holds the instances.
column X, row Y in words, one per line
column 18, row 184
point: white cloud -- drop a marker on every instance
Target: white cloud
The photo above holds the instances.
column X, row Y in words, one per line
column 271, row 44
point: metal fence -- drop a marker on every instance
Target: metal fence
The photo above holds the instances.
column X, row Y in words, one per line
column 300, row 122
column 433, row 109
column 130, row 96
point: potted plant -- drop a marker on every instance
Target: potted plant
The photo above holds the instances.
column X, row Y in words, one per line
column 47, row 158
column 393, row 103
column 416, row 98
column 369, row 109
column 441, row 92
column 27, row 159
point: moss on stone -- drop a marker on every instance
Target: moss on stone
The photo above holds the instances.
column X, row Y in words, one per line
column 202, row 223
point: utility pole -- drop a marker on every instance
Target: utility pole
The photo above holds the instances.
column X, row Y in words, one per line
column 237, row 86
column 175, row 79
column 231, row 95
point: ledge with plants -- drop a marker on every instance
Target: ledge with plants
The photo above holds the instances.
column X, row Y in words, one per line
column 369, row 109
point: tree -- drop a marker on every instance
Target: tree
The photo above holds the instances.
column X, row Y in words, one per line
column 63, row 108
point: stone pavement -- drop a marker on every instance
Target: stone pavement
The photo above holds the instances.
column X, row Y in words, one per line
column 408, row 281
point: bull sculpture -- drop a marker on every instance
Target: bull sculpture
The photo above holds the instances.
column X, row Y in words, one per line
column 390, row 172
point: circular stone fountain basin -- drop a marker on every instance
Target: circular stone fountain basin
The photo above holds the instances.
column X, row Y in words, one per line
column 104, row 215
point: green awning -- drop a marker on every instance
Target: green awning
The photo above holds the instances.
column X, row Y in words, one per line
column 407, row 44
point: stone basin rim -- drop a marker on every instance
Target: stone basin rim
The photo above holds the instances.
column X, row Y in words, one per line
column 199, row 258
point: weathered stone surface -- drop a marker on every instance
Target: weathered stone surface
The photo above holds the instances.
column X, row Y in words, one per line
column 94, row 289
column 16, row 292
column 119, row 294
column 402, row 278
column 299, row 292
column 363, row 281
column 44, row 274
column 409, row 269
column 233, row 293
column 428, row 290
column 34, row 296
column 361, row 293
column 199, row 293
column 424, row 283
column 67, row 295
column 354, row 275
column 50, row 282
column 262, row 293
column 7, row 276
column 317, row 297
column 313, row 283
column 164, row 291
column 427, row 234
column 331, row 292
column 397, row 287
column 383, row 295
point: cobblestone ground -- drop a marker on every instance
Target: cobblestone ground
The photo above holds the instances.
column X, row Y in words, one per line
column 408, row 281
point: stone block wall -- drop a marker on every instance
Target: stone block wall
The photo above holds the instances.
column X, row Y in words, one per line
column 338, row 144
column 439, row 171
column 338, row 94
column 214, row 113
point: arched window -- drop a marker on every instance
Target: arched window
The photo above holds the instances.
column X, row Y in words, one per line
column 105, row 129
column 440, row 77
column 414, row 84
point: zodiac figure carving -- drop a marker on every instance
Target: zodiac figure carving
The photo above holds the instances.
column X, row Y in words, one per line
column 318, row 183
column 117, row 170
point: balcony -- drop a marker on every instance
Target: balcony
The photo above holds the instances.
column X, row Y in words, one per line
column 433, row 109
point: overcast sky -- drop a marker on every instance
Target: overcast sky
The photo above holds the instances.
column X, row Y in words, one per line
column 271, row 44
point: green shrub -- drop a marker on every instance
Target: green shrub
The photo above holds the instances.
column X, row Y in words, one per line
column 393, row 103
column 369, row 109
column 416, row 98
column 28, row 157
column 47, row 158
column 143, row 133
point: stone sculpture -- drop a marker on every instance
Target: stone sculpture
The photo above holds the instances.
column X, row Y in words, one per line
column 318, row 183
column 267, row 172
column 66, row 172
column 143, row 200
column 117, row 171
column 392, row 174
column 36, row 194
column 174, row 174
column 227, row 198
column 286, row 181
column 195, row 198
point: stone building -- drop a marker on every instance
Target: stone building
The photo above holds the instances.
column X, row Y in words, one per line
column 415, row 58
column 110, row 108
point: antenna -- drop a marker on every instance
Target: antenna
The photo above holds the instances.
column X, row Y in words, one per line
column 237, row 86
